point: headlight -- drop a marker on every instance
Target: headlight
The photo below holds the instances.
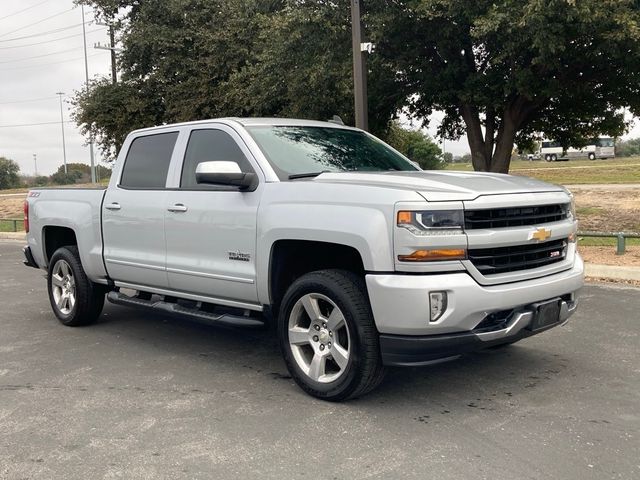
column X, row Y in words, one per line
column 430, row 222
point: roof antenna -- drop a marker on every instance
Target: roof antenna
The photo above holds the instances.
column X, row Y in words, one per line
column 337, row 120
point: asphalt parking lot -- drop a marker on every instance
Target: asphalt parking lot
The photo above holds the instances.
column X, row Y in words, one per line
column 142, row 395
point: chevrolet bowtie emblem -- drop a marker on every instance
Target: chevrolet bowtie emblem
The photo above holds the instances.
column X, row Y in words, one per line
column 540, row 234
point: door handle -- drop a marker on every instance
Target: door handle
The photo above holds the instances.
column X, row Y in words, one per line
column 178, row 207
column 113, row 206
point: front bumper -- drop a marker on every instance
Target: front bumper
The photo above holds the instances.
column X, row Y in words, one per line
column 400, row 305
column 406, row 350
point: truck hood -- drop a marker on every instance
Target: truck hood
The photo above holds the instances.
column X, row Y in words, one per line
column 439, row 186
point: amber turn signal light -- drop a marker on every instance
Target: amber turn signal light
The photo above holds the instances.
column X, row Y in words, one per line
column 434, row 255
column 404, row 218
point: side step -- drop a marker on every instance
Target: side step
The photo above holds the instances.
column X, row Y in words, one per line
column 195, row 313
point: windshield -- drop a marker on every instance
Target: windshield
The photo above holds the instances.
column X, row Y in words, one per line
column 296, row 151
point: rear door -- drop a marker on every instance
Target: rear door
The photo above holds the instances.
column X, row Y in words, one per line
column 211, row 230
column 133, row 213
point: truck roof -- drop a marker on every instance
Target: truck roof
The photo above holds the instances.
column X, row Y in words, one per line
column 255, row 121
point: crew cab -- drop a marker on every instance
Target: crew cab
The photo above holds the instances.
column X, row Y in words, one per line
column 359, row 259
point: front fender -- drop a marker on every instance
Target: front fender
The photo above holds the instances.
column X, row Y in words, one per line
column 365, row 229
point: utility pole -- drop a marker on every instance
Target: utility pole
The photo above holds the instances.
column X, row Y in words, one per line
column 64, row 147
column 86, row 77
column 35, row 162
column 112, row 47
column 359, row 67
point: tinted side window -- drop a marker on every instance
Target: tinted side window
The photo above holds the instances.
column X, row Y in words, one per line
column 147, row 161
column 208, row 146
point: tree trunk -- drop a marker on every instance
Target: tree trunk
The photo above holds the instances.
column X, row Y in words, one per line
column 504, row 146
column 484, row 157
column 479, row 157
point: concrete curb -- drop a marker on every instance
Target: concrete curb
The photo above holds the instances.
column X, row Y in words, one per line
column 612, row 272
column 13, row 236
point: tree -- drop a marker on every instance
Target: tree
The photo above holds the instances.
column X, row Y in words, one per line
column 78, row 173
column 628, row 148
column 9, row 173
column 503, row 71
column 287, row 58
column 416, row 145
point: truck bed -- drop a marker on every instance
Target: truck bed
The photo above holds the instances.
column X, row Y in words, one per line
column 53, row 209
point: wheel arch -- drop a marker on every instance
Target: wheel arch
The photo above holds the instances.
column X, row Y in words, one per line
column 55, row 237
column 290, row 259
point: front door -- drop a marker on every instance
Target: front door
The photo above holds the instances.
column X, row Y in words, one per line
column 211, row 230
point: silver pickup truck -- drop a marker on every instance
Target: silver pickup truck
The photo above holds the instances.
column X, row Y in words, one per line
column 358, row 258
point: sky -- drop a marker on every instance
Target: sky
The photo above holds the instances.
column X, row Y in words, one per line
column 41, row 53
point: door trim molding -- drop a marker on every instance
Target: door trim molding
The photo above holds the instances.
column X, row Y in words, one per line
column 211, row 275
column 135, row 264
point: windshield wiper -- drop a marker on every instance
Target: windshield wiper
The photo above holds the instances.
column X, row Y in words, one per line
column 306, row 175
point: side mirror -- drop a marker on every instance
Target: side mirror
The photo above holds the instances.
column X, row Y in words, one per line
column 225, row 173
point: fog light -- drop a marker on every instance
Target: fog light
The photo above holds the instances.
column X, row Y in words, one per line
column 437, row 304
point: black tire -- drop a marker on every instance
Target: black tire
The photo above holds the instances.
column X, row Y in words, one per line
column 592, row 156
column 364, row 370
column 89, row 297
column 547, row 158
column 554, row 157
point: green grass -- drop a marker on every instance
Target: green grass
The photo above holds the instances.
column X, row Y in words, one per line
column 7, row 226
column 618, row 170
column 590, row 211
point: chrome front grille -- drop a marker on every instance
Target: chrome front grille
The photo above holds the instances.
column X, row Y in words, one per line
column 515, row 216
column 490, row 261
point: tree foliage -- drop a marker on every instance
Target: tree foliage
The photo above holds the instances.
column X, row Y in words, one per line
column 628, row 148
column 502, row 72
column 187, row 60
column 9, row 173
column 415, row 145
column 77, row 173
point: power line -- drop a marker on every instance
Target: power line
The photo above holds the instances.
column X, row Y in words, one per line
column 23, row 10
column 28, row 100
column 36, row 23
column 40, row 56
column 55, row 30
column 50, row 63
column 35, row 124
column 52, row 40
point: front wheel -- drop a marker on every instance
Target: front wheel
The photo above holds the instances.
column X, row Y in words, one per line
column 328, row 337
column 75, row 300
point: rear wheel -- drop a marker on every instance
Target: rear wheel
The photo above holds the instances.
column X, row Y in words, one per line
column 75, row 300
column 592, row 156
column 328, row 337
column 547, row 158
column 554, row 157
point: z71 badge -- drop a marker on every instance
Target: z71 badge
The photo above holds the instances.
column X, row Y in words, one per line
column 243, row 257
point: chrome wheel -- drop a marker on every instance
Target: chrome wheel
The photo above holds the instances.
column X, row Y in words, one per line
column 63, row 287
column 319, row 338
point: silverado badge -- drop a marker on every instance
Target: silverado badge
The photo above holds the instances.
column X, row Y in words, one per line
column 238, row 255
column 541, row 234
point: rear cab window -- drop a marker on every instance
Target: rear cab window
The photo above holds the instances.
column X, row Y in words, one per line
column 147, row 162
